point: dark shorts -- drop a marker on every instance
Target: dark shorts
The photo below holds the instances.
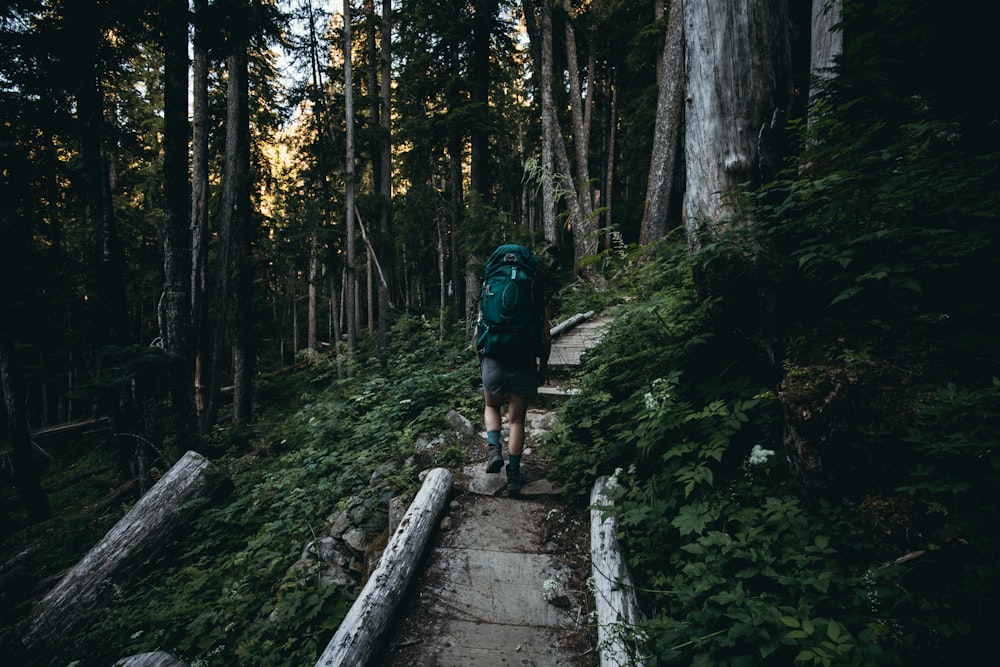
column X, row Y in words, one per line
column 504, row 379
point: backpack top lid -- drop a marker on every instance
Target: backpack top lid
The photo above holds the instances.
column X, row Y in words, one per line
column 511, row 253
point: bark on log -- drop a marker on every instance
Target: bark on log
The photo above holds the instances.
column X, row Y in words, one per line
column 151, row 523
column 614, row 595
column 570, row 322
column 153, row 659
column 359, row 633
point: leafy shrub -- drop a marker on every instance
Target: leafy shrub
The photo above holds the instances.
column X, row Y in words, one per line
column 731, row 566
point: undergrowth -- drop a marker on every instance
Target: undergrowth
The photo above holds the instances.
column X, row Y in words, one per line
column 733, row 563
column 220, row 595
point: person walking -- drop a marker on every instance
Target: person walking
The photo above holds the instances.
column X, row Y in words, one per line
column 513, row 342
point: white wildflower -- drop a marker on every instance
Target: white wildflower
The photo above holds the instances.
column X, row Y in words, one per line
column 640, row 636
column 551, row 588
column 759, row 455
column 613, row 480
column 651, row 402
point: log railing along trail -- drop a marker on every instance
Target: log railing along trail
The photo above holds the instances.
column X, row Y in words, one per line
column 357, row 638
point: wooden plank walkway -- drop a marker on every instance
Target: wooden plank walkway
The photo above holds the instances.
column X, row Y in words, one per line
column 569, row 348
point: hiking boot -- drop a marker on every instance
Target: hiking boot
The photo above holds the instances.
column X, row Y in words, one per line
column 494, row 461
column 514, row 480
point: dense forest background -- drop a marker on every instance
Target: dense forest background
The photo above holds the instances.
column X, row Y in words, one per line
column 255, row 229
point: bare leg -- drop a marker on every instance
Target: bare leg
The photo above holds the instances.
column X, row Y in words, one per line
column 491, row 412
column 516, row 413
column 491, row 420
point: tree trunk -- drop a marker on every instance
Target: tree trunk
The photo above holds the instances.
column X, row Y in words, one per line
column 199, row 208
column 152, row 524
column 244, row 352
column 24, row 469
column 238, row 172
column 479, row 91
column 585, row 229
column 233, row 218
column 384, row 244
column 609, row 170
column 335, row 324
column 374, row 114
column 107, row 296
column 177, row 234
column 669, row 104
column 442, row 281
column 321, row 184
column 826, row 43
column 570, row 196
column 311, row 335
column 738, row 77
column 369, row 288
column 365, row 624
column 553, row 146
column 350, row 305
column 541, row 52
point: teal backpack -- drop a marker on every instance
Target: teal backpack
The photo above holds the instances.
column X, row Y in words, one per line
column 510, row 320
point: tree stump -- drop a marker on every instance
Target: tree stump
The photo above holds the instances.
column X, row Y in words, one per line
column 355, row 641
column 614, row 595
column 152, row 522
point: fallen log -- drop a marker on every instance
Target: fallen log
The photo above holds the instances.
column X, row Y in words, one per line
column 614, row 596
column 152, row 523
column 359, row 633
column 570, row 322
column 68, row 430
column 153, row 659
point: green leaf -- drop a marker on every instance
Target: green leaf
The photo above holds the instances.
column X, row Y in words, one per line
column 846, row 294
column 691, row 519
column 833, row 631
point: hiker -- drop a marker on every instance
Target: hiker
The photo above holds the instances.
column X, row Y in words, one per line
column 513, row 343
